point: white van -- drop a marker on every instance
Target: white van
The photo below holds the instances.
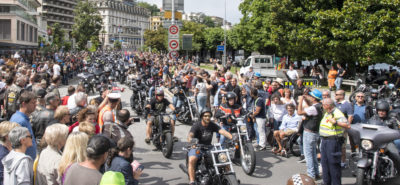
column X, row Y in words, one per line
column 264, row 64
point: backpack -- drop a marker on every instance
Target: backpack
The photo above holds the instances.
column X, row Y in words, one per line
column 112, row 178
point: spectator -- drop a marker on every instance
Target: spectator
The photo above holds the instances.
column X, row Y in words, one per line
column 18, row 167
column 81, row 102
column 326, row 94
column 88, row 128
column 55, row 82
column 27, row 106
column 362, row 111
column 119, row 161
column 5, row 144
column 71, row 100
column 287, row 97
column 45, row 117
column 87, row 172
column 111, row 102
column 347, row 109
column 289, row 126
column 62, row 115
column 250, row 73
column 55, row 137
column 259, row 115
column 293, row 75
column 71, row 91
column 74, row 152
column 339, row 78
column 275, row 115
column 331, row 77
column 234, row 87
column 88, row 114
column 12, row 95
column 313, row 115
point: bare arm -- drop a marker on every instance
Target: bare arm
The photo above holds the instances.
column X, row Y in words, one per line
column 190, row 137
column 300, row 110
column 225, row 133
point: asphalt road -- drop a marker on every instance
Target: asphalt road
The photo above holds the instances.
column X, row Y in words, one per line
column 270, row 169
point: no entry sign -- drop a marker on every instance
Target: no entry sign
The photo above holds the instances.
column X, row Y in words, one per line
column 173, row 29
column 173, row 44
column 173, row 54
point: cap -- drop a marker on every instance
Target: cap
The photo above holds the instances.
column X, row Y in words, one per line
column 221, row 80
column 279, row 80
column 98, row 145
column 34, row 65
column 40, row 93
column 114, row 95
column 316, row 94
column 257, row 74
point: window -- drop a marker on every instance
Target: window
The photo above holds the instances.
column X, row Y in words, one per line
column 18, row 30
column 5, row 29
column 35, row 35
column 247, row 62
column 4, row 9
column 22, row 31
column 30, row 34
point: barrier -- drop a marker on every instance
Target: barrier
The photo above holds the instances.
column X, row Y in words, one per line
column 306, row 82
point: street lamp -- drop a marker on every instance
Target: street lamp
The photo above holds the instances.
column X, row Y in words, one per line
column 224, row 59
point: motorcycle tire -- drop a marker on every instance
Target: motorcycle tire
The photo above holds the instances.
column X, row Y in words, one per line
column 360, row 177
column 229, row 180
column 294, row 147
column 248, row 165
column 352, row 97
column 167, row 145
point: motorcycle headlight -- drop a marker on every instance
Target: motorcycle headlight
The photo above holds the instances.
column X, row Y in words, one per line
column 192, row 100
column 243, row 128
column 222, row 158
column 166, row 119
column 366, row 144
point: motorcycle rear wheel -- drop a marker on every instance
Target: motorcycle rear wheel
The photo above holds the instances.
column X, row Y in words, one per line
column 294, row 146
column 167, row 145
column 360, row 178
column 229, row 180
column 248, row 161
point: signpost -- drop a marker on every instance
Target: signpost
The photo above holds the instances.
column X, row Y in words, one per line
column 173, row 31
column 220, row 48
column 173, row 38
column 173, row 44
column 173, row 54
column 178, row 5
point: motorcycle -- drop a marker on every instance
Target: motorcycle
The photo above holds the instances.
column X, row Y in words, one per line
column 85, row 80
column 161, row 133
column 214, row 167
column 373, row 164
column 187, row 113
column 242, row 150
column 138, row 99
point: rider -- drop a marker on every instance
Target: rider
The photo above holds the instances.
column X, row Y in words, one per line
column 178, row 91
column 159, row 104
column 202, row 131
column 373, row 98
column 228, row 108
column 382, row 119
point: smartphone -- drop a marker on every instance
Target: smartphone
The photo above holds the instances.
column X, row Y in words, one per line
column 136, row 166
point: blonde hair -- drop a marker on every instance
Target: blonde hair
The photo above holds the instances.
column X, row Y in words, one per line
column 74, row 151
column 60, row 112
column 87, row 128
column 5, row 128
column 55, row 134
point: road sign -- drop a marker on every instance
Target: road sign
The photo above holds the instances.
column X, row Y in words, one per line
column 173, row 44
column 168, row 15
column 179, row 5
column 173, row 30
column 173, row 54
column 187, row 41
column 220, row 48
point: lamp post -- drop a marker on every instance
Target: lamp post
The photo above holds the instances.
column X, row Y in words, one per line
column 224, row 59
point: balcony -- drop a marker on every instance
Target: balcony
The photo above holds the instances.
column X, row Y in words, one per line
column 57, row 6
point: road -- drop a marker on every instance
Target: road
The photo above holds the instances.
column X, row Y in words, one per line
column 270, row 169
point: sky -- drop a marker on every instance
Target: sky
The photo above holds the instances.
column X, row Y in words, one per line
column 210, row 8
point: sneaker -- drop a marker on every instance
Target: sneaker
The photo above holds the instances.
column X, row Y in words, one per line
column 261, row 148
column 255, row 145
column 302, row 159
column 147, row 140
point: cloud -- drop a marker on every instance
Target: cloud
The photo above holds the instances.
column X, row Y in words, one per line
column 210, row 8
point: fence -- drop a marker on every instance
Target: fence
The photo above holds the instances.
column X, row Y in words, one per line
column 306, row 82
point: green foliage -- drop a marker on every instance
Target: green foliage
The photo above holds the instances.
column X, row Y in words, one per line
column 87, row 25
column 213, row 37
column 364, row 31
column 58, row 35
column 117, row 45
column 153, row 8
column 198, row 34
column 156, row 39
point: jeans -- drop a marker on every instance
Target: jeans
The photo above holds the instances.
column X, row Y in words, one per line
column 261, row 132
column 331, row 154
column 222, row 138
column 250, row 129
column 176, row 102
column 65, row 79
column 201, row 103
column 300, row 141
column 338, row 82
column 310, row 141
column 151, row 90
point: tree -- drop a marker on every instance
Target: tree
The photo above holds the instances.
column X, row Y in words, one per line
column 117, row 45
column 152, row 8
column 197, row 30
column 156, row 39
column 87, row 25
column 58, row 35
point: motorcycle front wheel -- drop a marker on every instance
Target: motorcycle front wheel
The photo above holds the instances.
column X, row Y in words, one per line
column 167, row 145
column 248, row 160
column 229, row 180
column 360, row 178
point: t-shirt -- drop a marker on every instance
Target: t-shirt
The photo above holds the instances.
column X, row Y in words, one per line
column 202, row 89
column 204, row 134
column 292, row 74
column 80, row 175
column 159, row 106
column 56, row 70
column 260, row 102
column 345, row 107
column 359, row 114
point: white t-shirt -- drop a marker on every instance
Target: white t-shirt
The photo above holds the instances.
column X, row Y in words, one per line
column 56, row 70
column 292, row 74
column 202, row 89
column 71, row 102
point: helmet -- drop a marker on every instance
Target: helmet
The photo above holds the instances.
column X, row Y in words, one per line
column 382, row 105
column 111, row 78
column 160, row 92
column 396, row 105
column 205, row 110
column 230, row 95
column 374, row 91
column 298, row 179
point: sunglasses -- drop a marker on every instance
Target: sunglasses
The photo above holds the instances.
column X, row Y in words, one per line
column 28, row 136
column 207, row 115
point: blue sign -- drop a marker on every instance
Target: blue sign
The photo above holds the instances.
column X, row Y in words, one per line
column 41, row 44
column 220, row 48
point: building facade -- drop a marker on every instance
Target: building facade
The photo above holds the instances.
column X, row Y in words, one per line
column 123, row 21
column 18, row 26
column 156, row 21
column 57, row 11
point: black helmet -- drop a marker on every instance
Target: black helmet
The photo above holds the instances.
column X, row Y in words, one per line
column 205, row 110
column 382, row 105
column 160, row 92
column 230, row 95
column 396, row 105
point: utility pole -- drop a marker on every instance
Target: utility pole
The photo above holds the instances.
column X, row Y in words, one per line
column 173, row 12
column 224, row 59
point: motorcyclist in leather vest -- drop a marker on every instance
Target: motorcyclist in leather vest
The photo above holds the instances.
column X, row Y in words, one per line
column 382, row 118
column 228, row 108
